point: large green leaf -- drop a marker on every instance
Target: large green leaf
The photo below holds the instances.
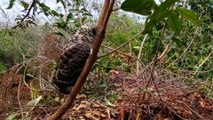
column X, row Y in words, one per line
column 57, row 1
column 44, row 7
column 11, row 4
column 62, row 2
column 54, row 13
column 166, row 5
column 155, row 18
column 143, row 7
column 189, row 15
column 24, row 4
column 160, row 12
column 175, row 22
column 69, row 17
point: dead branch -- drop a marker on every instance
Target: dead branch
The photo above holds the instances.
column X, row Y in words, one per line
column 152, row 69
column 163, row 54
column 120, row 52
column 106, row 12
column 140, row 53
column 18, row 97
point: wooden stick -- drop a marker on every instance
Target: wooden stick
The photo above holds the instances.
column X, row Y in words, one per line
column 106, row 12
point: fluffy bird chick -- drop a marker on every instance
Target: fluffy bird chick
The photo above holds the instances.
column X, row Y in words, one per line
column 73, row 58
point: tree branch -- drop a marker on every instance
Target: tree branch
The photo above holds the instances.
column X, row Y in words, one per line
column 139, row 55
column 122, row 45
column 106, row 12
column 28, row 13
column 120, row 52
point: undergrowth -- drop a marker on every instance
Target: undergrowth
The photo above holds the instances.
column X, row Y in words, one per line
column 38, row 49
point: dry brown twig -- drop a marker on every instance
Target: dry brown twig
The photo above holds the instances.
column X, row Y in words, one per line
column 18, row 97
column 122, row 53
column 106, row 12
column 140, row 54
column 201, row 117
column 163, row 54
column 152, row 70
column 122, row 45
column 159, row 59
column 18, row 93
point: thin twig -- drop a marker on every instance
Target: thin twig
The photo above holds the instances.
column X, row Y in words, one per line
column 203, row 62
column 173, row 111
column 28, row 13
column 165, row 105
column 122, row 45
column 192, row 110
column 18, row 96
column 159, row 59
column 120, row 52
column 187, row 48
column 124, row 54
column 152, row 70
column 140, row 54
column 163, row 54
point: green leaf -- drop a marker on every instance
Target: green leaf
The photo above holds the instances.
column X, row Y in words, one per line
column 69, row 17
column 109, row 103
column 62, row 2
column 175, row 22
column 11, row 4
column 57, row 1
column 153, row 19
column 77, row 2
column 166, row 5
column 24, row 4
column 61, row 23
column 12, row 116
column 44, row 7
column 54, row 13
column 143, row 7
column 189, row 15
column 34, row 102
column 59, row 33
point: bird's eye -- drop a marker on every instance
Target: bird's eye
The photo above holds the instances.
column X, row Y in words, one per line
column 94, row 31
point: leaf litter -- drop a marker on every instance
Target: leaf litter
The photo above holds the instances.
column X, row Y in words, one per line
column 113, row 96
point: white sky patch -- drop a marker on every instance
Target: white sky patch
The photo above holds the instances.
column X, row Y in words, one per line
column 7, row 16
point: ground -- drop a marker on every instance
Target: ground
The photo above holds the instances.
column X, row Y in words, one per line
column 114, row 96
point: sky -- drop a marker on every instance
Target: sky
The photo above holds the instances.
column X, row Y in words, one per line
column 8, row 15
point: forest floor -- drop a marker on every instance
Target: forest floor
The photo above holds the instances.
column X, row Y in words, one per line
column 116, row 96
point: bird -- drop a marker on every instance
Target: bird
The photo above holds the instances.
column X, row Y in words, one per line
column 73, row 57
